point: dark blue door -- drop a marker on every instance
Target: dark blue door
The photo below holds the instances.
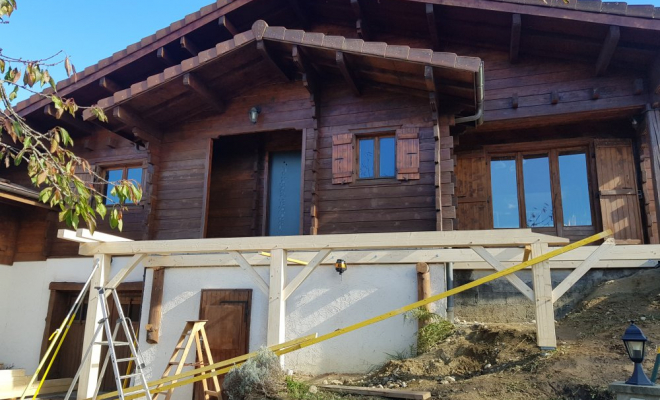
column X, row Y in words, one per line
column 284, row 194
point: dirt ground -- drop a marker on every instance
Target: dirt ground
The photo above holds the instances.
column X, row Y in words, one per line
column 501, row 361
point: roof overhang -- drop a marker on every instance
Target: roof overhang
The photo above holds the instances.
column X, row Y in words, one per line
column 15, row 194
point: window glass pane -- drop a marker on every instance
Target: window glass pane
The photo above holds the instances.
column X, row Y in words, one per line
column 387, row 157
column 112, row 175
column 366, row 158
column 538, row 198
column 574, row 189
column 135, row 174
column 505, row 194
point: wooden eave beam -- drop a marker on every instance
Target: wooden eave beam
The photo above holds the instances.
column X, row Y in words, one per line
column 607, row 50
column 133, row 121
column 165, row 57
column 347, row 73
column 300, row 13
column 109, row 85
column 70, row 121
column 270, row 60
column 362, row 26
column 196, row 85
column 226, row 26
column 309, row 75
column 189, row 46
column 432, row 88
column 516, row 28
column 434, row 31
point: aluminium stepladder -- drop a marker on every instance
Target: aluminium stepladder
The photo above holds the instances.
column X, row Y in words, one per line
column 112, row 343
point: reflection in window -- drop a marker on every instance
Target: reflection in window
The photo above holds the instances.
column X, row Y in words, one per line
column 112, row 175
column 387, row 156
column 505, row 193
column 574, row 189
column 367, row 158
column 538, row 197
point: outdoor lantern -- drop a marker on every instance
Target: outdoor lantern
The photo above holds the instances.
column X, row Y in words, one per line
column 340, row 266
column 253, row 114
column 635, row 343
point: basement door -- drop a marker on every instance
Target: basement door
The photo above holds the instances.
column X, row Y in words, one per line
column 284, row 194
column 228, row 328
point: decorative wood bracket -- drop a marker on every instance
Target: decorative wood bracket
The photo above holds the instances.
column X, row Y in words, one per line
column 189, row 46
column 195, row 84
column 270, row 60
column 434, row 31
column 140, row 128
column 70, row 122
column 227, row 27
column 607, row 51
column 165, row 57
column 516, row 28
column 347, row 73
column 109, row 85
column 361, row 24
column 309, row 74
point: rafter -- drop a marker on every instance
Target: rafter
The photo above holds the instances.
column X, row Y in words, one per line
column 189, row 46
column 432, row 88
column 309, row 75
column 195, row 84
column 165, row 57
column 268, row 57
column 133, row 121
column 361, row 24
column 432, row 21
column 227, row 26
column 109, row 85
column 70, row 121
column 347, row 73
column 607, row 51
column 516, row 28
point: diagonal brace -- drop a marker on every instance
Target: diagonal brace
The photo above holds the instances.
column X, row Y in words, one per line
column 302, row 275
column 247, row 267
column 514, row 279
column 123, row 273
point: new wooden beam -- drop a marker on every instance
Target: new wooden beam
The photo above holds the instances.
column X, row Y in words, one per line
column 132, row 120
column 165, row 57
column 194, row 83
column 347, row 73
column 70, row 121
column 516, row 28
column 270, row 60
column 226, row 26
column 607, row 50
column 309, row 75
column 361, row 24
column 299, row 12
column 276, row 302
column 434, row 31
column 189, row 46
column 545, row 315
column 109, row 85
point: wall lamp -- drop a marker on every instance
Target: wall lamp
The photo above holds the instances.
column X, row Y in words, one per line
column 253, row 114
column 635, row 343
column 340, row 266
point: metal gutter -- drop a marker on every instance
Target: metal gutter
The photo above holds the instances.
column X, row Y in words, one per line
column 479, row 116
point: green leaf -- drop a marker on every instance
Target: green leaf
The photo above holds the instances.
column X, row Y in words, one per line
column 66, row 138
column 13, row 93
column 2, row 66
column 45, row 194
column 101, row 209
column 114, row 221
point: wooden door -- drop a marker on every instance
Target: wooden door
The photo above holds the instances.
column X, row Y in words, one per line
column 284, row 193
column 228, row 328
column 472, row 191
column 617, row 190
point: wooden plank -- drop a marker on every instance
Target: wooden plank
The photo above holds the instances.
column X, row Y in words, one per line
column 189, row 46
column 247, row 267
column 607, row 50
column 652, row 121
column 163, row 55
column 70, row 235
column 489, row 238
column 309, row 75
column 546, row 337
column 131, row 119
column 155, row 306
column 432, row 22
column 123, row 273
column 513, row 278
column 389, row 393
column 582, row 269
column 196, row 85
column 99, row 236
column 24, row 200
column 276, row 303
column 109, row 85
column 304, row 274
column 208, row 164
column 514, row 46
column 226, row 26
column 347, row 73
column 423, row 286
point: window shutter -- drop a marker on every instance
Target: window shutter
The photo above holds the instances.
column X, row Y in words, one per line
column 407, row 153
column 342, row 158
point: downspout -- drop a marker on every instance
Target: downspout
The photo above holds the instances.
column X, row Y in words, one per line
column 479, row 116
column 449, row 271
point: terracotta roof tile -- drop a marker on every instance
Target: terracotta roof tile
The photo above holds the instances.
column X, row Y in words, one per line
column 606, row 7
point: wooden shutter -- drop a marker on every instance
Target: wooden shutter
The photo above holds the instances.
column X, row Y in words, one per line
column 342, row 158
column 473, row 192
column 617, row 190
column 407, row 153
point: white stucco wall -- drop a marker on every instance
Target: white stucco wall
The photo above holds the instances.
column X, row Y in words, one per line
column 24, row 296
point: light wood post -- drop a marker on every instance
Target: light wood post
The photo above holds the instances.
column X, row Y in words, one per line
column 423, row 288
column 89, row 374
column 545, row 315
column 276, row 302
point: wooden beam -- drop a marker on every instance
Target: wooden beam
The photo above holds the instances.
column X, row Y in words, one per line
column 155, row 306
column 300, row 13
column 145, row 138
column 123, row 273
column 165, row 57
column 347, row 73
column 546, row 337
column 434, row 31
column 309, row 75
column 582, row 269
column 276, row 302
column 514, row 47
column 99, row 236
column 423, row 287
column 109, row 85
column 23, row 200
column 607, row 50
column 71, row 122
column 652, row 125
column 189, row 46
column 226, row 26
column 132, row 120
column 270, row 60
column 513, row 278
column 362, row 26
column 391, row 393
column 302, row 275
column 71, row 236
column 432, row 88
column 195, row 84
column 247, row 267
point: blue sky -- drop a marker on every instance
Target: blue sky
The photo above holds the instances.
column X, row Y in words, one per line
column 90, row 30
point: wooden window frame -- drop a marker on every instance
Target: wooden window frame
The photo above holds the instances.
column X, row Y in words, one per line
column 552, row 150
column 124, row 167
column 376, row 136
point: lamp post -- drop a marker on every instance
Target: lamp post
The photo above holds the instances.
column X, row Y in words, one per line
column 635, row 343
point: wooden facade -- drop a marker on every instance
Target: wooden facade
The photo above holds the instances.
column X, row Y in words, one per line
column 331, row 78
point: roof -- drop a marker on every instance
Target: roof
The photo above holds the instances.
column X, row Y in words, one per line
column 596, row 6
column 19, row 194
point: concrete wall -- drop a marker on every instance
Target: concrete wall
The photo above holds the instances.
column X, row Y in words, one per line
column 24, row 296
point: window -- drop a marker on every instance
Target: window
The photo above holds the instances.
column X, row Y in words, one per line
column 376, row 157
column 117, row 174
column 541, row 190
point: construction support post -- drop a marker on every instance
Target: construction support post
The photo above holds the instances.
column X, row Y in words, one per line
column 276, row 301
column 89, row 373
column 545, row 314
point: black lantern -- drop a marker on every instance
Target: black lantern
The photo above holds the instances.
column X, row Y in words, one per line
column 340, row 266
column 253, row 114
column 635, row 343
